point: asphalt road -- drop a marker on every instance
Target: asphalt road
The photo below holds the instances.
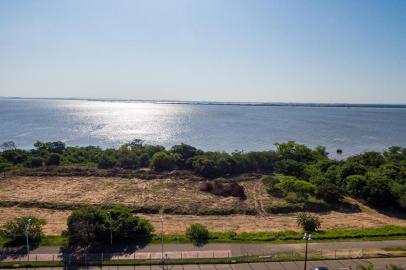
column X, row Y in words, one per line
column 251, row 249
column 380, row 264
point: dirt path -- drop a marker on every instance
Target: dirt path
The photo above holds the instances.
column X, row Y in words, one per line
column 259, row 205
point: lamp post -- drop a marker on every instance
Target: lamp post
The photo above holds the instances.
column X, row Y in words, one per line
column 111, row 229
column 163, row 263
column 307, row 237
column 162, row 237
column 27, row 226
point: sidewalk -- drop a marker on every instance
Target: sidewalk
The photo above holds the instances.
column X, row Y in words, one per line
column 179, row 251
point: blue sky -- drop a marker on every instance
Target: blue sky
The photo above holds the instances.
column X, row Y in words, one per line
column 214, row 50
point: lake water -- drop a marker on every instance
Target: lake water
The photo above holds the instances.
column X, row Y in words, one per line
column 209, row 127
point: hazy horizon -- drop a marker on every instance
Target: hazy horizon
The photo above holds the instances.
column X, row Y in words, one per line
column 350, row 52
column 231, row 102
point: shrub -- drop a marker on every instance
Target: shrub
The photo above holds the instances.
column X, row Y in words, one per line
column 15, row 229
column 34, row 162
column 162, row 161
column 198, row 234
column 329, row 192
column 106, row 162
column 129, row 228
column 53, row 160
column 355, row 185
column 91, row 225
column 4, row 167
column 226, row 189
column 308, row 222
column 290, row 167
column 301, row 188
column 87, row 226
column 144, row 160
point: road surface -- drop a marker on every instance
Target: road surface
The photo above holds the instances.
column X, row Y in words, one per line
column 380, row 264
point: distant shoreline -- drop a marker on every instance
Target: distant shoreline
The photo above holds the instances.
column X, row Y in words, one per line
column 219, row 103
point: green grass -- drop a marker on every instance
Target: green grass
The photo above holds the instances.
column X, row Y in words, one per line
column 381, row 233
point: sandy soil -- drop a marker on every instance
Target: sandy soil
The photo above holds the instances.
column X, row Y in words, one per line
column 177, row 224
column 182, row 195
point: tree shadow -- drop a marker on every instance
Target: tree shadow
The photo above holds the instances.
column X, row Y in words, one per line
column 392, row 212
column 342, row 207
column 16, row 249
column 76, row 256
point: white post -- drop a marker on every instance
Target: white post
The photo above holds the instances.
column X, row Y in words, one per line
column 27, row 226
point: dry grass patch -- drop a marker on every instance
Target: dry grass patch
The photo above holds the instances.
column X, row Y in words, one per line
column 177, row 224
column 179, row 196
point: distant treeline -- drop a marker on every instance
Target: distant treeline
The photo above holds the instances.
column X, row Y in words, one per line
column 378, row 179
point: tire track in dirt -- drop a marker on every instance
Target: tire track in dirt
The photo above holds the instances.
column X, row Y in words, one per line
column 258, row 204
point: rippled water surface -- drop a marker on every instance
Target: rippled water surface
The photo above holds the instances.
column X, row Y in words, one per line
column 209, row 127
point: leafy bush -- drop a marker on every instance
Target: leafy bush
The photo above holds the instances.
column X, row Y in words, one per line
column 162, row 161
column 308, row 222
column 302, row 189
column 198, row 234
column 53, row 160
column 329, row 192
column 106, row 162
column 87, row 226
column 15, row 230
column 356, row 185
column 91, row 225
column 223, row 189
column 290, row 167
column 34, row 162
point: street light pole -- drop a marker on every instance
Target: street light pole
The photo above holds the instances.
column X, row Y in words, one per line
column 111, row 229
column 307, row 237
column 162, row 237
column 27, row 226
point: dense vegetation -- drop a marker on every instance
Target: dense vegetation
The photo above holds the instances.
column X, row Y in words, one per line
column 93, row 225
column 18, row 229
column 198, row 234
column 379, row 179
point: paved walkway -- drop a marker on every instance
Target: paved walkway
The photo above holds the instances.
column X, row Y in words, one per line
column 380, row 264
column 238, row 249
column 212, row 250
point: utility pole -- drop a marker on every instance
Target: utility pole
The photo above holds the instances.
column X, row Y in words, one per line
column 111, row 228
column 307, row 237
column 162, row 237
column 27, row 226
column 163, row 264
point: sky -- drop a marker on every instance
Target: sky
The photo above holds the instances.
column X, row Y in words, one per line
column 343, row 51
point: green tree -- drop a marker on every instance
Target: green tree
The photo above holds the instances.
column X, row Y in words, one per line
column 355, row 185
column 106, row 161
column 4, row 167
column 295, row 151
column 91, row 225
column 290, row 167
column 34, row 162
column 127, row 227
column 302, row 188
column 15, row 230
column 162, row 161
column 87, row 226
column 53, row 160
column 329, row 192
column 309, row 223
column 198, row 234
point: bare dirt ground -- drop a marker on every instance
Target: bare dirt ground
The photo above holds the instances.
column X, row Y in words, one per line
column 181, row 195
